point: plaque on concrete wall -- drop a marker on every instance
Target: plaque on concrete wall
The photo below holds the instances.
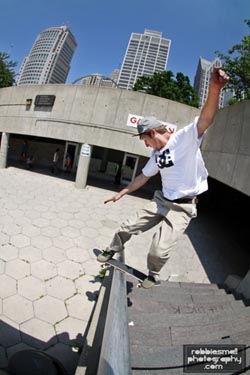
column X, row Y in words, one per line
column 45, row 100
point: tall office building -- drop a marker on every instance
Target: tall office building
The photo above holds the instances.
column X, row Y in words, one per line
column 202, row 79
column 49, row 58
column 146, row 54
column 100, row 80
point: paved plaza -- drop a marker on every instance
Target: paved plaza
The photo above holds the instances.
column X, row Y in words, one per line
column 48, row 272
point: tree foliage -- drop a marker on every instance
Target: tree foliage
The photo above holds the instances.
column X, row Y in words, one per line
column 237, row 65
column 7, row 73
column 165, row 85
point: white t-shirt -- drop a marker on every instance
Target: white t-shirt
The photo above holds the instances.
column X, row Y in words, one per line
column 180, row 164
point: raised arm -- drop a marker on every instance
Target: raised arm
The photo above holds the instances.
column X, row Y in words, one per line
column 218, row 80
column 139, row 181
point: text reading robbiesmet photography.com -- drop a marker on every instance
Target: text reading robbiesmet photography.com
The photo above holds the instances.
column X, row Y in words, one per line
column 214, row 358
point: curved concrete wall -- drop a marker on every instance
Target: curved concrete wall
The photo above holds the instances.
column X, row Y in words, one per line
column 226, row 147
column 93, row 115
column 98, row 116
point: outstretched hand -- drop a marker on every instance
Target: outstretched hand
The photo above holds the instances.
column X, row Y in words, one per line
column 115, row 198
column 219, row 77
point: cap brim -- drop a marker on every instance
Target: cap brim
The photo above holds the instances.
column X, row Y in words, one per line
column 137, row 135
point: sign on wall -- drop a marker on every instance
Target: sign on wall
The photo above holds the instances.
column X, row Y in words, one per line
column 85, row 150
column 45, row 100
column 133, row 120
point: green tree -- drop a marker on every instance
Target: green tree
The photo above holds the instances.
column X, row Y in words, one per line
column 165, row 85
column 237, row 65
column 7, row 74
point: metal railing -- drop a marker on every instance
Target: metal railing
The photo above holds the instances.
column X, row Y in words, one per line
column 115, row 349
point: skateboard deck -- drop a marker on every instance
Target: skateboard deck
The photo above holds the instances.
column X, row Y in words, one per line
column 138, row 275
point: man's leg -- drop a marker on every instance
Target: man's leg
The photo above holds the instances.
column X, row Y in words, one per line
column 164, row 240
column 140, row 222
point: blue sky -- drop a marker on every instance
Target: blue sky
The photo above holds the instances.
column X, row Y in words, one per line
column 102, row 29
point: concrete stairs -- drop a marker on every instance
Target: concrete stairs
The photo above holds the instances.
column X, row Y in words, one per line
column 164, row 318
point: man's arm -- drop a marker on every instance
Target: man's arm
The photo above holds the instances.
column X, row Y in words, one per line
column 218, row 80
column 134, row 185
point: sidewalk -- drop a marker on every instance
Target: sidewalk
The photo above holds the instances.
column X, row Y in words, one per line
column 48, row 272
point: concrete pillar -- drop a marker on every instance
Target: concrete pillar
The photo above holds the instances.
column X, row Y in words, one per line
column 4, row 150
column 83, row 166
column 104, row 160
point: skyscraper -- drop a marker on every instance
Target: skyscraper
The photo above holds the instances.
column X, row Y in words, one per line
column 49, row 58
column 202, row 79
column 146, row 54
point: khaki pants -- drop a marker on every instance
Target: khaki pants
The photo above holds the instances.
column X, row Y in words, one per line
column 173, row 219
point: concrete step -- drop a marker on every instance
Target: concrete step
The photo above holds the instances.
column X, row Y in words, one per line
column 208, row 332
column 183, row 307
column 165, row 289
column 144, row 300
column 171, row 335
column 163, row 319
column 159, row 360
column 193, row 334
column 176, row 284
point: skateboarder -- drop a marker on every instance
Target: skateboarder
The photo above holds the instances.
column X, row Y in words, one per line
column 178, row 159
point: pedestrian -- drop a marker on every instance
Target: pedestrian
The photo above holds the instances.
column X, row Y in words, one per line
column 24, row 150
column 55, row 161
column 178, row 159
column 30, row 161
column 68, row 162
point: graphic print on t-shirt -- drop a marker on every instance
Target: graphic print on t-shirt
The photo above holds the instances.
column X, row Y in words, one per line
column 164, row 160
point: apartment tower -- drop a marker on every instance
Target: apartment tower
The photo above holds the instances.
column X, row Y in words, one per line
column 202, row 79
column 49, row 58
column 146, row 54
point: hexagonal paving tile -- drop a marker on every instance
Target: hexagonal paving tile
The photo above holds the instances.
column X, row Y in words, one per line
column 31, row 288
column 70, row 232
column 10, row 334
column 79, row 307
column 8, row 252
column 60, row 287
column 88, row 285
column 17, row 308
column 50, row 215
column 50, row 231
column 77, row 254
column 20, row 240
column 37, row 333
column 40, row 222
column 3, row 360
column 50, row 309
column 43, row 270
column 90, row 232
column 32, row 214
column 63, row 242
column 59, row 223
column 7, row 286
column 79, row 224
column 2, row 266
column 31, row 230
column 4, row 239
column 17, row 268
column 70, row 269
column 41, row 242
column 16, row 213
column 30, row 254
column 54, row 255
column 11, row 229
column 75, row 329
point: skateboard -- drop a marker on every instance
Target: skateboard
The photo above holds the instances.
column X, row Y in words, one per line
column 125, row 268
